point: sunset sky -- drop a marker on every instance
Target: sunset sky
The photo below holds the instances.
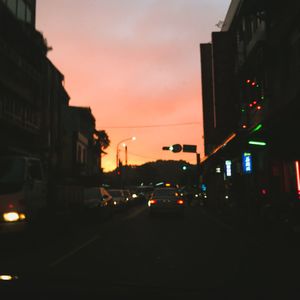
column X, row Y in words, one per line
column 136, row 63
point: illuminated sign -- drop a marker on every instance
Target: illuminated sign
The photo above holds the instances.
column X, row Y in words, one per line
column 257, row 143
column 298, row 177
column 247, row 162
column 228, row 168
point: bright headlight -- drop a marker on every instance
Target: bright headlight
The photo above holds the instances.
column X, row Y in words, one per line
column 11, row 217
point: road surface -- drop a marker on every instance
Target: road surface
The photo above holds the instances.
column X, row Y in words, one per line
column 137, row 255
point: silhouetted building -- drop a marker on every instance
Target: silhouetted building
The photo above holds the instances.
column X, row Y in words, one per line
column 220, row 112
column 207, row 98
column 23, row 10
column 56, row 101
column 262, row 61
column 80, row 141
column 22, row 73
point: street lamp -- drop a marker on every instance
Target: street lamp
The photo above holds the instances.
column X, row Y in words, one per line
column 118, row 150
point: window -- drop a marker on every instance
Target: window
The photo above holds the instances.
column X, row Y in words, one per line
column 21, row 10
column 12, row 5
column 28, row 15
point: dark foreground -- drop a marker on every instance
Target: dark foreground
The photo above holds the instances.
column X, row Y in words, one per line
column 160, row 257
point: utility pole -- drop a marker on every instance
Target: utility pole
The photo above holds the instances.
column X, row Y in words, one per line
column 126, row 156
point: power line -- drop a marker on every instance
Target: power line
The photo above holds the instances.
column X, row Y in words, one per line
column 152, row 126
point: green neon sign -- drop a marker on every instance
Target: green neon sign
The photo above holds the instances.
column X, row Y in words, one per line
column 257, row 143
column 258, row 127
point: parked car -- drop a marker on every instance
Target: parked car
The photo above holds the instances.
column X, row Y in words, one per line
column 23, row 192
column 166, row 200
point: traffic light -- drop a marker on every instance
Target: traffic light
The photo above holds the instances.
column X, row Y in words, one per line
column 166, row 148
column 176, row 148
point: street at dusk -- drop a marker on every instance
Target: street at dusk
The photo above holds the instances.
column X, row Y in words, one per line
column 149, row 148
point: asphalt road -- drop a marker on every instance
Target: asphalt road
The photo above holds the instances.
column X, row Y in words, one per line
column 137, row 255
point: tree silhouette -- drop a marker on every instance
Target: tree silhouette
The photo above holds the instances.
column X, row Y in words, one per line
column 103, row 142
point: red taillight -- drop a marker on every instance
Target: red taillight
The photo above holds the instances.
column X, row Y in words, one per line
column 152, row 201
column 180, row 202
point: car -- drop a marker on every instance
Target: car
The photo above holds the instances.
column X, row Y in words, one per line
column 166, row 200
column 120, row 198
column 106, row 204
column 98, row 202
column 144, row 193
column 129, row 200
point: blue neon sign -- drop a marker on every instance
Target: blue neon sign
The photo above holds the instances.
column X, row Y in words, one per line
column 247, row 162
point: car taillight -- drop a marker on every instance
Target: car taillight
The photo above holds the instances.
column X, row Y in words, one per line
column 180, row 202
column 152, row 202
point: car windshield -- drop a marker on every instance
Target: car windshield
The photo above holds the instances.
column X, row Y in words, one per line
column 191, row 105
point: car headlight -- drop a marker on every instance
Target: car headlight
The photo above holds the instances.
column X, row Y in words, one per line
column 12, row 216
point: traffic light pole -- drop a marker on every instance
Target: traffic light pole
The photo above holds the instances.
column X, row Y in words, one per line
column 191, row 149
column 198, row 170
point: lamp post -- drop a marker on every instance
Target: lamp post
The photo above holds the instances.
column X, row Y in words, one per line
column 118, row 150
column 126, row 154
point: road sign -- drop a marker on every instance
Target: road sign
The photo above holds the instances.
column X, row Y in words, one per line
column 190, row 148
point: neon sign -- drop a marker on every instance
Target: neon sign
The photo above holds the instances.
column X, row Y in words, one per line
column 247, row 162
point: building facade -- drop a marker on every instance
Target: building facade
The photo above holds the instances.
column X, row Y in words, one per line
column 80, row 140
column 257, row 161
column 22, row 56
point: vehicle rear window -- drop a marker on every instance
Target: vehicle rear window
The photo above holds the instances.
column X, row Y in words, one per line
column 116, row 193
column 165, row 193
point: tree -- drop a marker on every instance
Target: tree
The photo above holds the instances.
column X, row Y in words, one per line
column 103, row 142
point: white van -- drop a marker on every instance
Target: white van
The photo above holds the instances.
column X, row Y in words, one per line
column 23, row 191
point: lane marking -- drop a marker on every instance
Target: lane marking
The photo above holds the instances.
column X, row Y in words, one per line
column 92, row 240
column 74, row 251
